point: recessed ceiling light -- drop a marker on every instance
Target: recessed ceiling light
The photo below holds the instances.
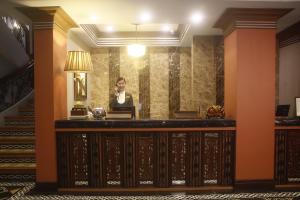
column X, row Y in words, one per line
column 110, row 28
column 196, row 18
column 93, row 18
column 166, row 28
column 145, row 16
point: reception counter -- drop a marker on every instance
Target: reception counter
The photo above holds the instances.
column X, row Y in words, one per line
column 162, row 155
column 145, row 155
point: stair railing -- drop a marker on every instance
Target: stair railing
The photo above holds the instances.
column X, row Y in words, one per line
column 16, row 86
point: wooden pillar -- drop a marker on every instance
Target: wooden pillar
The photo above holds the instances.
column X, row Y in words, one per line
column 250, row 50
column 50, row 26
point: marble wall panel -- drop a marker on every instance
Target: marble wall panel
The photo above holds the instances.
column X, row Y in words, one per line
column 99, row 79
column 144, row 89
column 219, row 63
column 204, row 73
column 129, row 68
column 185, row 79
column 174, row 80
column 159, row 83
column 114, row 68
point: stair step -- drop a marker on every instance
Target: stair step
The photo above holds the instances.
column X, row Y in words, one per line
column 17, row 146
column 16, row 131
column 26, row 111
column 17, row 139
column 17, row 153
column 17, row 168
column 17, row 177
column 19, row 120
column 17, row 160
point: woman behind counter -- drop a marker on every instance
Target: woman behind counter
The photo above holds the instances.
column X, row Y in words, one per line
column 120, row 98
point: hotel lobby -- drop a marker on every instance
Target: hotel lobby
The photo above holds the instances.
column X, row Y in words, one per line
column 149, row 99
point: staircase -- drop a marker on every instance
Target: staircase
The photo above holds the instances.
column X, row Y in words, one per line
column 17, row 146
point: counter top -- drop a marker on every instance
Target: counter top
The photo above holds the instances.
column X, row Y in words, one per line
column 287, row 122
column 172, row 123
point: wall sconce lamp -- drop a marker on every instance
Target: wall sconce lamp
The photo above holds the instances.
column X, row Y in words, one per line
column 79, row 62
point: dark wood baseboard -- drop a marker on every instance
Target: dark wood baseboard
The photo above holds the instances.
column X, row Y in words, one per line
column 254, row 185
column 48, row 186
column 288, row 187
column 148, row 190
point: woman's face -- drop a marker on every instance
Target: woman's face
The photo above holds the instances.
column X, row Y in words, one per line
column 121, row 85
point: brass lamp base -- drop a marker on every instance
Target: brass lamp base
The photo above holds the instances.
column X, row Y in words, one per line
column 79, row 109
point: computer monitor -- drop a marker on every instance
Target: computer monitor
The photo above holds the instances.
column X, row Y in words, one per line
column 282, row 110
column 124, row 108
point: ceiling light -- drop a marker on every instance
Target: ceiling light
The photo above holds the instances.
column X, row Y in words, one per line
column 136, row 50
column 110, row 29
column 196, row 18
column 166, row 28
column 145, row 17
column 93, row 18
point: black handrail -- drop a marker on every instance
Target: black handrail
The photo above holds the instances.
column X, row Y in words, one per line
column 16, row 85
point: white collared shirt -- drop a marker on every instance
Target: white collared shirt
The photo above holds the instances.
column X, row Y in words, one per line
column 121, row 97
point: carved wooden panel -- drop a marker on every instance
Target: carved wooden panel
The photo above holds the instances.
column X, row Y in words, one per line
column 293, row 155
column 287, row 154
column 135, row 159
column 194, row 176
column 227, row 155
column 95, row 158
column 145, row 157
column 178, row 158
column 128, row 161
column 162, row 175
column 112, row 159
column 280, row 157
column 79, row 151
column 211, row 152
column 65, row 170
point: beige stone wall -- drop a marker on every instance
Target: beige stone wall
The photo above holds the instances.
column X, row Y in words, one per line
column 185, row 79
column 99, row 78
column 204, row 73
column 129, row 69
column 159, row 83
column 197, row 77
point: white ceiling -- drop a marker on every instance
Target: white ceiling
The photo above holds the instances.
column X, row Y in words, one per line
column 123, row 13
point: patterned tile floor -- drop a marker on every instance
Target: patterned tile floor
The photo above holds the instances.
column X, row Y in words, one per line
column 24, row 194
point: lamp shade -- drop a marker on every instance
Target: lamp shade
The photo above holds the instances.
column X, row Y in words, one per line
column 78, row 61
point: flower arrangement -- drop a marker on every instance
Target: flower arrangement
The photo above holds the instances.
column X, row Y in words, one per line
column 215, row 111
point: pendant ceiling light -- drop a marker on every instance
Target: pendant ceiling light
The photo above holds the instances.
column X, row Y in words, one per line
column 136, row 50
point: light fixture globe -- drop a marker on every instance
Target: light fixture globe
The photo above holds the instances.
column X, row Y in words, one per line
column 136, row 50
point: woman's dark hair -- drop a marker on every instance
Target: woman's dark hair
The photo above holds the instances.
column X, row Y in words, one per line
column 120, row 79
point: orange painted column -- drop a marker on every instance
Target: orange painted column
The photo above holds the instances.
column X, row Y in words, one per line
column 250, row 51
column 50, row 82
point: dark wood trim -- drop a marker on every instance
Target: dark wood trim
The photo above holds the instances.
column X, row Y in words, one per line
column 254, row 185
column 289, row 35
column 288, row 187
column 68, row 130
column 234, row 18
column 287, row 127
column 117, row 190
column 46, row 186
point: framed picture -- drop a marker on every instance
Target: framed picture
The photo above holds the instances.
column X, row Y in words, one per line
column 297, row 106
column 80, row 86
